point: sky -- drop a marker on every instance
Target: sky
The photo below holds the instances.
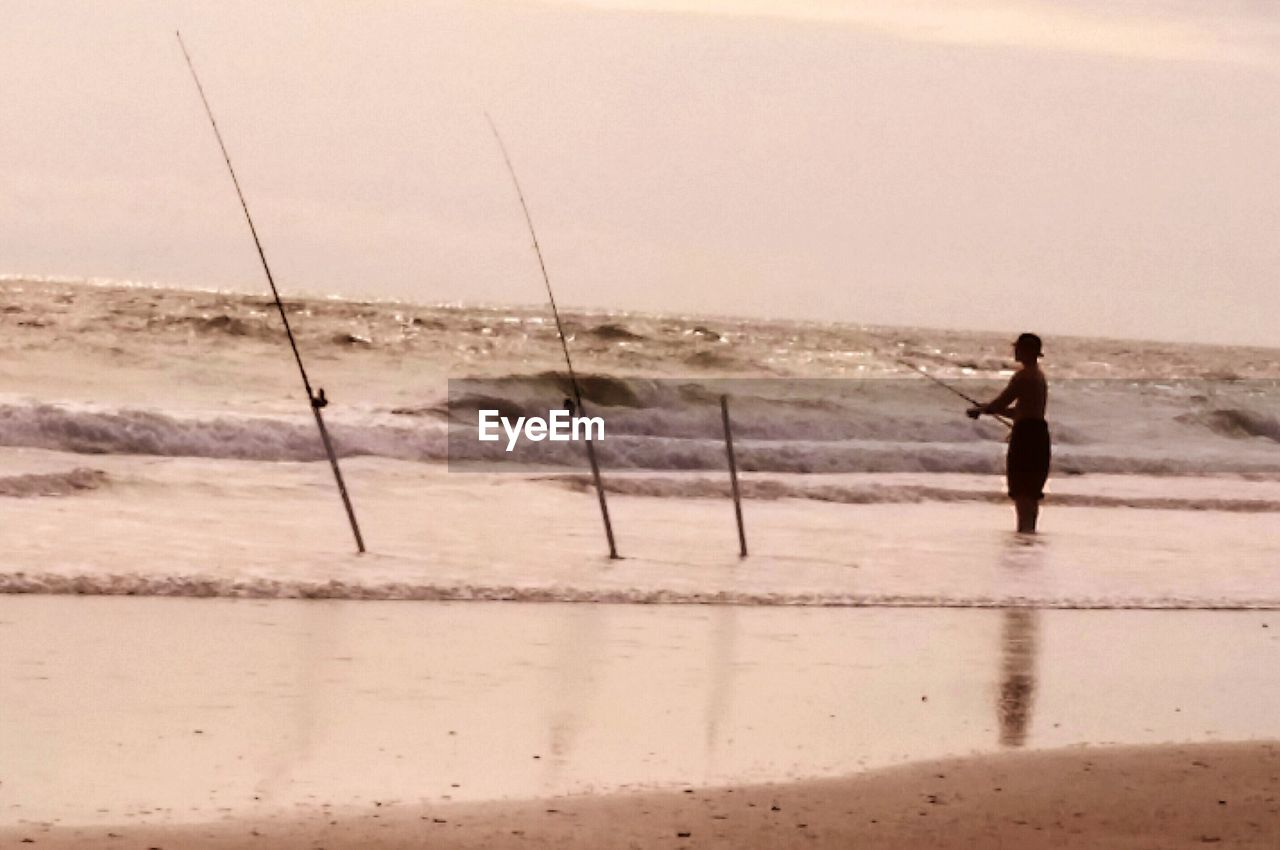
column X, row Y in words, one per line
column 1089, row 168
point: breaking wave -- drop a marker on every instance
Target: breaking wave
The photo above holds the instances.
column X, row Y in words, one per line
column 425, row 439
column 140, row 432
column 1234, row 422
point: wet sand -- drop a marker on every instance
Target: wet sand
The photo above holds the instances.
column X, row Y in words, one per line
column 1221, row 795
column 164, row 714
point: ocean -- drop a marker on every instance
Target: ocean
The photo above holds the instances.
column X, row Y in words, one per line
column 157, row 441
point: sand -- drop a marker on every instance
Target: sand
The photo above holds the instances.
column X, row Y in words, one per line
column 130, row 710
column 1225, row 795
column 167, row 721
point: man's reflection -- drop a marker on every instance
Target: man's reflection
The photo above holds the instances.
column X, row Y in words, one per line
column 1017, row 674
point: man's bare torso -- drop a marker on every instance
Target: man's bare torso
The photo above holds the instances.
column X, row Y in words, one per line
column 1031, row 393
column 1025, row 397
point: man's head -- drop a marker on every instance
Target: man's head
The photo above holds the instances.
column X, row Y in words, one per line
column 1027, row 348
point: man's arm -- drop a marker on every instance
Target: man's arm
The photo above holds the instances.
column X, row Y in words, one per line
column 1001, row 403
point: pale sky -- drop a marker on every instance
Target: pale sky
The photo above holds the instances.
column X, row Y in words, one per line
column 1088, row 167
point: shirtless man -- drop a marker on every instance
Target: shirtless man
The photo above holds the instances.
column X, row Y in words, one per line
column 1027, row 464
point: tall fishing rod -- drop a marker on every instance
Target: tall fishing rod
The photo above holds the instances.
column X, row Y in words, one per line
column 564, row 342
column 316, row 400
column 952, row 389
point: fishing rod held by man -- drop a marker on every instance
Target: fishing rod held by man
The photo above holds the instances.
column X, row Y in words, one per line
column 951, row 389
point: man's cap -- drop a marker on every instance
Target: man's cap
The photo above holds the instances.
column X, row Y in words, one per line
column 1032, row 341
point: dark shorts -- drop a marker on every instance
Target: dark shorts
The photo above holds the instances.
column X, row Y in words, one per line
column 1027, row 465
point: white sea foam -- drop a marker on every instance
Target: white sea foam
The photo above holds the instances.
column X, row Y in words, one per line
column 78, row 480
column 880, row 494
column 199, row 586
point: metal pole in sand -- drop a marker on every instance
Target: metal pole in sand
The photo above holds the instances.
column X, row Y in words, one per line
column 733, row 476
column 564, row 342
column 315, row 400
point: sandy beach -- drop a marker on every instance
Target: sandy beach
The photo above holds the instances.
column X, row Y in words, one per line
column 639, row 424
column 197, row 723
column 1224, row 795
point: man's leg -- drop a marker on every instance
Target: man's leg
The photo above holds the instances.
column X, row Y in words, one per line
column 1028, row 511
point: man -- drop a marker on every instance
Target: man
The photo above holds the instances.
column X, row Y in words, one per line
column 1027, row 464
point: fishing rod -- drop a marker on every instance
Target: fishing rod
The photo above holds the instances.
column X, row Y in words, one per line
column 564, row 342
column 952, row 389
column 317, row 400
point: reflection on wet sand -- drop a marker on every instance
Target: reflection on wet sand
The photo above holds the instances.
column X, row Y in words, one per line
column 723, row 645
column 578, row 634
column 1017, row 675
column 319, row 632
column 1023, row 556
column 347, row 702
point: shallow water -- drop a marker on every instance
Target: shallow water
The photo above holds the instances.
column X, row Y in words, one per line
column 193, row 527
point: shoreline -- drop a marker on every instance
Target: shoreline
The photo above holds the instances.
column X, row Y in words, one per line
column 1119, row 797
column 199, row 587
